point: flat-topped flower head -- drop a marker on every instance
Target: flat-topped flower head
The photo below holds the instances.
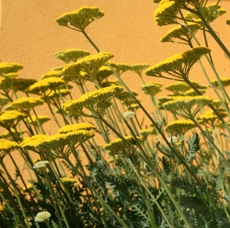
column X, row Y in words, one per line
column 60, row 144
column 10, row 75
column 119, row 146
column 32, row 142
column 129, row 114
column 71, row 55
column 76, row 127
column 11, row 118
column 192, row 92
column 144, row 133
column 35, row 119
column 179, row 127
column 209, row 12
column 52, row 73
column 41, row 86
column 224, row 81
column 96, row 101
column 103, row 73
column 187, row 106
column 42, row 216
column 210, row 118
column 86, row 68
column 68, row 180
column 6, row 146
column 81, row 18
column 151, row 88
column 7, row 67
column 3, row 101
column 162, row 100
column 177, row 67
column 26, row 103
column 121, row 67
column 54, row 94
column 139, row 67
column 165, row 13
column 21, row 84
column 183, row 33
column 41, row 164
column 109, row 83
column 178, row 88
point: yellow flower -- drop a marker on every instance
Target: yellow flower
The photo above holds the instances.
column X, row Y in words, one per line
column 104, row 72
column 187, row 106
column 33, row 142
column 34, row 119
column 151, row 88
column 209, row 12
column 184, row 33
column 26, row 103
column 86, row 68
column 147, row 131
column 126, row 98
column 68, row 180
column 162, row 100
column 192, row 92
column 110, row 83
column 121, row 67
column 139, row 68
column 96, row 101
column 51, row 83
column 11, row 118
column 52, row 73
column 54, row 94
column 224, row 81
column 178, row 127
column 6, row 67
column 76, row 127
column 2, row 207
column 6, row 146
column 118, row 146
column 177, row 65
column 71, row 55
column 60, row 143
column 21, row 84
column 210, row 118
column 81, row 18
column 28, row 188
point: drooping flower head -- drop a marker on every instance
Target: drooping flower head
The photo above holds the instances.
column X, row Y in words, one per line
column 86, row 68
column 96, row 102
column 179, row 127
column 177, row 66
column 71, row 55
column 81, row 18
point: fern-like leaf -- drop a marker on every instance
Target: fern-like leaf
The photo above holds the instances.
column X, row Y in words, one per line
column 194, row 146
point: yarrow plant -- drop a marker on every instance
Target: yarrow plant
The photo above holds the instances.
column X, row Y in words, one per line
column 111, row 163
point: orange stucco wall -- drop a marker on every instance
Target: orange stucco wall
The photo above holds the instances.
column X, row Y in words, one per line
column 30, row 36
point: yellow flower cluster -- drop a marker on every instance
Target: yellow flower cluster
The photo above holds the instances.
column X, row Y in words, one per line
column 177, row 65
column 81, row 18
column 121, row 67
column 76, row 127
column 71, row 55
column 26, row 103
column 11, row 118
column 7, row 67
column 187, row 106
column 179, row 127
column 224, row 81
column 151, row 88
column 51, row 83
column 86, row 68
column 6, row 146
column 34, row 119
column 96, row 101
column 184, row 33
column 119, row 146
